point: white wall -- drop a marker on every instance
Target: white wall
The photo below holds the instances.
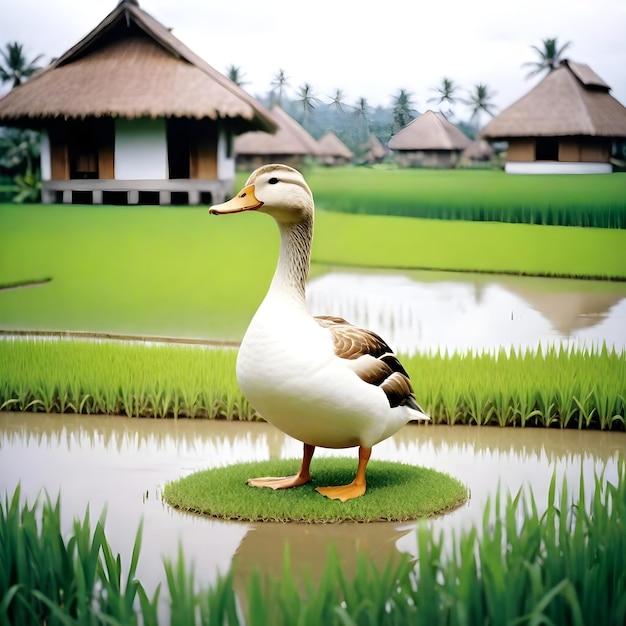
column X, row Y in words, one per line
column 46, row 162
column 556, row 167
column 140, row 149
column 225, row 163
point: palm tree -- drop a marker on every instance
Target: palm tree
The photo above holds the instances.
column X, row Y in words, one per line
column 236, row 75
column 14, row 66
column 445, row 94
column 360, row 128
column 307, row 99
column 550, row 56
column 279, row 83
column 338, row 101
column 403, row 111
column 479, row 100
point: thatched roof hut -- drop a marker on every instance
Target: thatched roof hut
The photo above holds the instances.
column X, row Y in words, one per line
column 478, row 151
column 332, row 151
column 566, row 123
column 131, row 82
column 430, row 140
column 373, row 150
column 290, row 144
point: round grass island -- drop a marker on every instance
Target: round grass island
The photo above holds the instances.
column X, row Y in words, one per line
column 395, row 492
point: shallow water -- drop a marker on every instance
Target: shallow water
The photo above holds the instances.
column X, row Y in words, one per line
column 121, row 465
column 426, row 312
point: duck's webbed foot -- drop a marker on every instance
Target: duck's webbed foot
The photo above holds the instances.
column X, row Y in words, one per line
column 279, row 482
column 286, row 482
column 343, row 493
column 357, row 487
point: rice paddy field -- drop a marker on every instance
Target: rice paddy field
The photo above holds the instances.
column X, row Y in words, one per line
column 597, row 201
column 150, row 269
column 177, row 271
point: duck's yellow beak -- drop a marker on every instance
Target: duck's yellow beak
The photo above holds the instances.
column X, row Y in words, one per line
column 245, row 200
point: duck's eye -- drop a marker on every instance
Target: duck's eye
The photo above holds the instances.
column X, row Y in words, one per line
column 272, row 181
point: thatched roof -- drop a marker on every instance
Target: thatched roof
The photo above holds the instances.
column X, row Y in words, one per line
column 330, row 145
column 290, row 138
column 572, row 100
column 131, row 66
column 429, row 131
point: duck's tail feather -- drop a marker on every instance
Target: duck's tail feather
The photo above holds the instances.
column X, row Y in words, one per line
column 416, row 410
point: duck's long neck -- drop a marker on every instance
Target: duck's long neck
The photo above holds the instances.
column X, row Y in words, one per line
column 293, row 262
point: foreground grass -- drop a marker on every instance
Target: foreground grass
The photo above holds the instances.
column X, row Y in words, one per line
column 180, row 272
column 395, row 492
column 564, row 566
column 577, row 389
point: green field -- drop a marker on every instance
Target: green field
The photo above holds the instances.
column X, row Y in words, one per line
column 178, row 271
column 484, row 195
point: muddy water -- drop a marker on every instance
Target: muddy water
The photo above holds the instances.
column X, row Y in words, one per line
column 122, row 464
column 419, row 311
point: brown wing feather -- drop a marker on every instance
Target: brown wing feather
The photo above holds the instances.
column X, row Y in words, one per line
column 351, row 342
column 371, row 359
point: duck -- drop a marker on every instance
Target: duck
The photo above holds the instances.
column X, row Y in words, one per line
column 318, row 379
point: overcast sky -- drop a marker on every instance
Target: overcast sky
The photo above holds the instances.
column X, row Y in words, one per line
column 369, row 50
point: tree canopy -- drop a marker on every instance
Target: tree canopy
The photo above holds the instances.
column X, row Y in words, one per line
column 14, row 66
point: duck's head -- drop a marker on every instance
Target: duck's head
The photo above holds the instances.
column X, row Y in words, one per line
column 278, row 190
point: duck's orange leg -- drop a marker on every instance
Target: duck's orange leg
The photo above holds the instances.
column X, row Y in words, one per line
column 285, row 482
column 357, row 487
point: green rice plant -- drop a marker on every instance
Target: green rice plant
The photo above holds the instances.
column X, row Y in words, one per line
column 589, row 201
column 45, row 579
column 181, row 585
column 218, row 605
column 550, row 388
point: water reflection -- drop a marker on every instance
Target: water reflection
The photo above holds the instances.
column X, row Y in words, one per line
column 429, row 312
column 121, row 464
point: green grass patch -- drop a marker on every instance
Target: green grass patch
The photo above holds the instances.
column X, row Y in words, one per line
column 566, row 389
column 395, row 492
column 563, row 566
column 597, row 201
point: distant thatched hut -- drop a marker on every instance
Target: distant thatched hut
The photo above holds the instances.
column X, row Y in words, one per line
column 130, row 115
column 291, row 144
column 430, row 140
column 565, row 124
column 332, row 151
column 479, row 151
column 373, row 150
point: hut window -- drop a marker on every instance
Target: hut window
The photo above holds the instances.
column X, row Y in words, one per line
column 547, row 149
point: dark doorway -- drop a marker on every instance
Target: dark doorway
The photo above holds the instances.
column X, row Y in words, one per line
column 547, row 149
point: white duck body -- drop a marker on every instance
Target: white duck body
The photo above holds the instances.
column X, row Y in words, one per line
column 288, row 370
